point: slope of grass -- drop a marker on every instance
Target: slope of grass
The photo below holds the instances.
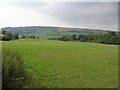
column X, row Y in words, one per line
column 68, row 64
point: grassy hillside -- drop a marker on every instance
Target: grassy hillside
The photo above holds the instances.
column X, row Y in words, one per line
column 48, row 32
column 68, row 64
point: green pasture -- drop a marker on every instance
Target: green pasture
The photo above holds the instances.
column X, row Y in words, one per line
column 59, row 64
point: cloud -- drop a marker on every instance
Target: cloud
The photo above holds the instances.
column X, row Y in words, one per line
column 102, row 15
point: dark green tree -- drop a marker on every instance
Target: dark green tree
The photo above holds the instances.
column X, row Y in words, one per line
column 37, row 37
column 74, row 37
column 9, row 35
column 16, row 36
column 3, row 32
column 23, row 36
column 84, row 38
column 113, row 40
column 79, row 37
column 33, row 37
column 65, row 38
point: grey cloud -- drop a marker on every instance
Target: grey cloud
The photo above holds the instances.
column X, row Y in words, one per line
column 103, row 13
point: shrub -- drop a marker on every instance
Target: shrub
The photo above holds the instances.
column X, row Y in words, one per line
column 14, row 74
column 4, row 38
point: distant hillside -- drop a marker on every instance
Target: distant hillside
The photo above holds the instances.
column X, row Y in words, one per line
column 44, row 31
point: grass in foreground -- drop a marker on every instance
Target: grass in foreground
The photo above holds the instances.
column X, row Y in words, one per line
column 14, row 74
column 68, row 64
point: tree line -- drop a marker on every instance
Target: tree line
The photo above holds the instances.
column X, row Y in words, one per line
column 108, row 38
column 6, row 36
column 30, row 36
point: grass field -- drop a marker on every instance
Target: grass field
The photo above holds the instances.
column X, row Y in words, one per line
column 68, row 64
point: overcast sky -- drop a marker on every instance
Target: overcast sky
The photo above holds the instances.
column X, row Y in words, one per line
column 103, row 15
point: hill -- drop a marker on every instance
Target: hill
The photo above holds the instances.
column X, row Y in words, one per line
column 45, row 31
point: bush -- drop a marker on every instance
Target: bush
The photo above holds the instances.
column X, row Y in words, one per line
column 14, row 74
column 5, row 38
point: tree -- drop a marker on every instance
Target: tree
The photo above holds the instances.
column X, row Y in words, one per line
column 74, row 37
column 33, row 37
column 84, row 38
column 110, row 37
column 3, row 32
column 37, row 37
column 91, row 38
column 23, row 36
column 9, row 35
column 65, row 38
column 112, row 33
column 113, row 40
column 107, row 38
column 80, row 36
column 16, row 36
